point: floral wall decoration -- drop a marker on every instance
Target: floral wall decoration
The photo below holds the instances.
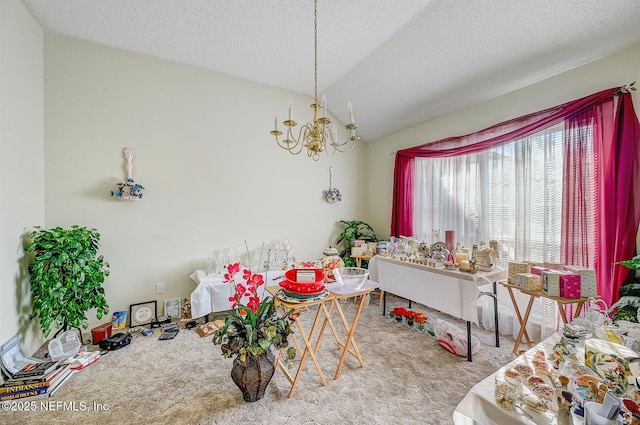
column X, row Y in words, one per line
column 128, row 190
column 333, row 195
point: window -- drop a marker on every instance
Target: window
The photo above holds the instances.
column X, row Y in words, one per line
column 512, row 193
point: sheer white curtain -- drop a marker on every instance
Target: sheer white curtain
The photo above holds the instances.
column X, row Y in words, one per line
column 512, row 194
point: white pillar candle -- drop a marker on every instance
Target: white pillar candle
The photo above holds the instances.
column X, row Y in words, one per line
column 462, row 256
column 464, row 265
column 290, row 108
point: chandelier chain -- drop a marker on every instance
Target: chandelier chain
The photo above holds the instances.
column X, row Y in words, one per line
column 315, row 48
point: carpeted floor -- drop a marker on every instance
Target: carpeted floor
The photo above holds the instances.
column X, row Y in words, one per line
column 408, row 378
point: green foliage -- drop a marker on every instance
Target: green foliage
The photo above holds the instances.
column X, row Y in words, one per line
column 628, row 313
column 245, row 333
column 633, row 264
column 354, row 230
column 630, row 290
column 66, row 277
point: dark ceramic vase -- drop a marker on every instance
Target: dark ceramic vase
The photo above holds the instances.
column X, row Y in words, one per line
column 253, row 376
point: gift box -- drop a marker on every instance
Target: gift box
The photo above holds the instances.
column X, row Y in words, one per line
column 569, row 285
column 588, row 281
column 554, row 266
column 539, row 270
column 551, row 283
column 529, row 281
column 515, row 268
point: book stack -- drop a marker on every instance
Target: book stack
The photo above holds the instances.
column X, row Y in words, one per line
column 30, row 384
column 27, row 377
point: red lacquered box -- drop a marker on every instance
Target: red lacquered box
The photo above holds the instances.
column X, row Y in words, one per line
column 101, row 332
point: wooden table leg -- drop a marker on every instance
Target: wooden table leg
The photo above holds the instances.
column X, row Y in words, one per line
column 562, row 313
column 578, row 309
column 350, row 341
column 523, row 322
column 309, row 350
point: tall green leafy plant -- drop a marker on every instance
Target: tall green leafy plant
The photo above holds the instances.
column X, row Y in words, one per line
column 353, row 230
column 66, row 277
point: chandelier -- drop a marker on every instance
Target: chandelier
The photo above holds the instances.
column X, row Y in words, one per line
column 319, row 135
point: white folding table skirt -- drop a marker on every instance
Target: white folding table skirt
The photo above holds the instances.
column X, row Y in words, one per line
column 449, row 291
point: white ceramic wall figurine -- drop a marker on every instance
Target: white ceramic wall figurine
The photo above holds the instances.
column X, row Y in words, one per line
column 128, row 190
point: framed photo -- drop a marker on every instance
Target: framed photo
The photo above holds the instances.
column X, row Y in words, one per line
column 119, row 319
column 173, row 308
column 142, row 313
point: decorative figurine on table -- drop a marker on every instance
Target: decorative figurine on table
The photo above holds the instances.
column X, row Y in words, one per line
column 495, row 254
column 423, row 249
column 565, row 401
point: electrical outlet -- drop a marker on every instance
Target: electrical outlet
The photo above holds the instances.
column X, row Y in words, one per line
column 159, row 288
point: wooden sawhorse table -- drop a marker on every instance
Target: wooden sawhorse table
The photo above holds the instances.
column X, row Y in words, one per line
column 309, row 343
column 561, row 301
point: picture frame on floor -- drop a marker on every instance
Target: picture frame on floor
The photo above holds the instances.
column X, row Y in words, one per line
column 141, row 314
column 173, row 308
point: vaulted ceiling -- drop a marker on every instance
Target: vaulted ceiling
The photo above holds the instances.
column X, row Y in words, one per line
column 400, row 62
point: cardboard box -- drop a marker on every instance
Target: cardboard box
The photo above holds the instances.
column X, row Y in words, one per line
column 207, row 329
column 551, row 283
column 515, row 268
column 529, row 281
column 569, row 285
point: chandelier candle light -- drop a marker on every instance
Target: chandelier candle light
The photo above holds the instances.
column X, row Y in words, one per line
column 316, row 135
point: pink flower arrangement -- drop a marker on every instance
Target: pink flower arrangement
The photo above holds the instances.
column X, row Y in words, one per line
column 249, row 291
column 256, row 325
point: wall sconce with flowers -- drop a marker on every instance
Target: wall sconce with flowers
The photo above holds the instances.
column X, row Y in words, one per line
column 332, row 195
column 128, row 190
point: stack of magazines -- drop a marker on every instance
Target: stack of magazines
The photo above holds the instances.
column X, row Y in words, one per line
column 82, row 359
column 28, row 377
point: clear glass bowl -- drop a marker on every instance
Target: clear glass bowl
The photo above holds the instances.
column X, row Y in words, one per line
column 354, row 277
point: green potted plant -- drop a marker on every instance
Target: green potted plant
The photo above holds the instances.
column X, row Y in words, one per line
column 354, row 230
column 66, row 277
column 626, row 308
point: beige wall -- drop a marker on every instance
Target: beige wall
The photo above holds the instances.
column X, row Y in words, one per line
column 214, row 176
column 613, row 71
column 21, row 164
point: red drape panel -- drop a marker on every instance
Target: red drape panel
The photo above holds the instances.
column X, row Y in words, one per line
column 582, row 132
column 619, row 210
column 402, row 213
column 617, row 156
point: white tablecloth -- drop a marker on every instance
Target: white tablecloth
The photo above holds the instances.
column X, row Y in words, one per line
column 212, row 294
column 479, row 406
column 449, row 291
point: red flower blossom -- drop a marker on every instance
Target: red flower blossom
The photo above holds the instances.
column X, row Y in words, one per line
column 256, row 280
column 232, row 269
column 253, row 303
column 400, row 311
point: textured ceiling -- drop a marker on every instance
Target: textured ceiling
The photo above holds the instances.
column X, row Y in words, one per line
column 400, row 62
